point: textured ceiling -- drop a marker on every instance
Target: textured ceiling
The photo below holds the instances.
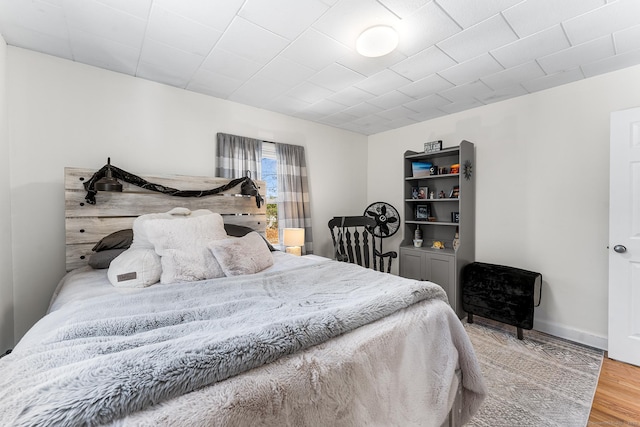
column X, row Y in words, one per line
column 297, row 57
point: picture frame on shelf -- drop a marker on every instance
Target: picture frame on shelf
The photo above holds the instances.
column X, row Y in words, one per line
column 422, row 212
column 455, row 217
column 414, row 192
column 422, row 192
column 432, row 146
column 455, row 192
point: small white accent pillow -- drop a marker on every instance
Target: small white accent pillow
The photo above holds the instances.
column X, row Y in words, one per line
column 182, row 246
column 140, row 239
column 242, row 255
column 135, row 268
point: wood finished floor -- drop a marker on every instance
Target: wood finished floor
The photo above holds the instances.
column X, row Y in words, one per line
column 617, row 398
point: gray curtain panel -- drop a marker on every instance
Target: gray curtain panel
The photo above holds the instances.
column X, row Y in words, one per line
column 235, row 155
column 294, row 210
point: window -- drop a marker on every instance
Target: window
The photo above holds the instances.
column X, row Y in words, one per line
column 270, row 176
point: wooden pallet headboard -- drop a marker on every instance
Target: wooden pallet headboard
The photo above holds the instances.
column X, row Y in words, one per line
column 86, row 224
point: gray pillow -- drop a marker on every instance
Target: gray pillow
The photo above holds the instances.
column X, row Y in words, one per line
column 102, row 259
column 118, row 240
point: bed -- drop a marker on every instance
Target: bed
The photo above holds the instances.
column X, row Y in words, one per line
column 303, row 341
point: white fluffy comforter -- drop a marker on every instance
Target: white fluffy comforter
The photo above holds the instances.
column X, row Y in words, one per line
column 134, row 357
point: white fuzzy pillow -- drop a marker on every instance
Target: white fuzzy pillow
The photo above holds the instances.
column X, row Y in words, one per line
column 182, row 246
column 135, row 268
column 140, row 238
column 242, row 255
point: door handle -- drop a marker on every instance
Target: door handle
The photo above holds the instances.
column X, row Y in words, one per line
column 620, row 249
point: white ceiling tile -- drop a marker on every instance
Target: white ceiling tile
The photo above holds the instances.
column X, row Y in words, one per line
column 258, row 91
column 182, row 33
column 103, row 53
column 391, row 99
column 229, row 64
column 544, row 43
column 627, row 40
column 217, row 14
column 38, row 42
column 137, row 8
column 285, row 72
column 400, row 122
column 275, row 15
column 315, row 50
column 602, row 21
column 370, row 120
column 309, row 114
column 464, row 92
column 96, row 18
column 578, row 55
column 513, row 76
column 369, row 66
column 382, row 82
column 532, row 16
column 347, row 19
column 471, row 70
column 553, row 80
column 461, row 106
column 403, row 8
column 427, row 86
column 251, row 41
column 351, row 96
column 428, row 114
column 395, row 113
column 478, row 39
column 336, row 77
column 429, row 61
column 309, row 92
column 613, row 63
column 427, row 103
column 287, row 105
column 468, row 13
column 338, row 118
column 428, row 26
column 326, row 107
column 362, row 109
column 37, row 16
column 214, row 84
column 175, row 65
column 502, row 94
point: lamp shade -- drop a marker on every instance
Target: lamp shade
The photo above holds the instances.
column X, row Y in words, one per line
column 294, row 236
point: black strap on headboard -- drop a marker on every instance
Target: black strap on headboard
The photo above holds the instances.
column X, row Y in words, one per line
column 249, row 188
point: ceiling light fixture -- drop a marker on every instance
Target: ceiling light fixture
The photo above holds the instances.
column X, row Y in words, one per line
column 377, row 41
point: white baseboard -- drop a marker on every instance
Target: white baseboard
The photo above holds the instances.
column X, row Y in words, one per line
column 574, row 335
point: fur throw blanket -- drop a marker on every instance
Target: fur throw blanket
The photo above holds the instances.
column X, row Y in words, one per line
column 107, row 357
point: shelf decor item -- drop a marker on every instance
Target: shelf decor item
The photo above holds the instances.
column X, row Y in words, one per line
column 455, row 168
column 432, row 146
column 422, row 212
column 421, row 168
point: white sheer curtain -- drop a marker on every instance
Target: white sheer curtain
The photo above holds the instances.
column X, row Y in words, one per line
column 294, row 210
column 235, row 155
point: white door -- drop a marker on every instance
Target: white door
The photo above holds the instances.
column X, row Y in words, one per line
column 624, row 237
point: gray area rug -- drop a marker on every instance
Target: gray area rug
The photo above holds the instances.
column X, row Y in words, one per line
column 539, row 381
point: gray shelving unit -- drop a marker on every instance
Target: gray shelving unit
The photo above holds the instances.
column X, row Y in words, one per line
column 441, row 266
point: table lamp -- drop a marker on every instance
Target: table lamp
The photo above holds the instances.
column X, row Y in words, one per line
column 293, row 240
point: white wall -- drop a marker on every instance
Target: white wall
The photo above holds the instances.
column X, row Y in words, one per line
column 68, row 114
column 6, row 277
column 542, row 168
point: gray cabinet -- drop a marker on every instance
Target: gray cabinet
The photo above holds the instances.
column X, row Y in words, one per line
column 449, row 211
